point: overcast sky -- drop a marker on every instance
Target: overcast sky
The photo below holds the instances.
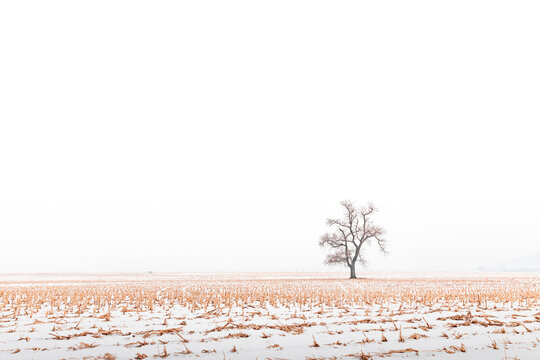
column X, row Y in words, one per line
column 219, row 135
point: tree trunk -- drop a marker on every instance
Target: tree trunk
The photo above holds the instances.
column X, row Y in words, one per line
column 353, row 271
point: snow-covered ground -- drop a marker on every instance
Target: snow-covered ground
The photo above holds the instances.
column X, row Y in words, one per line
column 270, row 316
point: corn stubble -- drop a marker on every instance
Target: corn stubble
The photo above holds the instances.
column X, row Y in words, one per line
column 315, row 319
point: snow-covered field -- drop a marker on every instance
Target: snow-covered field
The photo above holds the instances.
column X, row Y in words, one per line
column 270, row 316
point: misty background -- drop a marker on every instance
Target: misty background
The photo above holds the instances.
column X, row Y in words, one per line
column 219, row 136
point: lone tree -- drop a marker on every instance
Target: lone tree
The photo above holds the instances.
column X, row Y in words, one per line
column 355, row 229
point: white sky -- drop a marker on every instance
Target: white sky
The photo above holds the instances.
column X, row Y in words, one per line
column 219, row 135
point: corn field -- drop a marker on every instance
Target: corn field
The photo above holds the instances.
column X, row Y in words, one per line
column 231, row 317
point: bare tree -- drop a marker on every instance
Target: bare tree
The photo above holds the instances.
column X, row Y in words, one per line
column 355, row 229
